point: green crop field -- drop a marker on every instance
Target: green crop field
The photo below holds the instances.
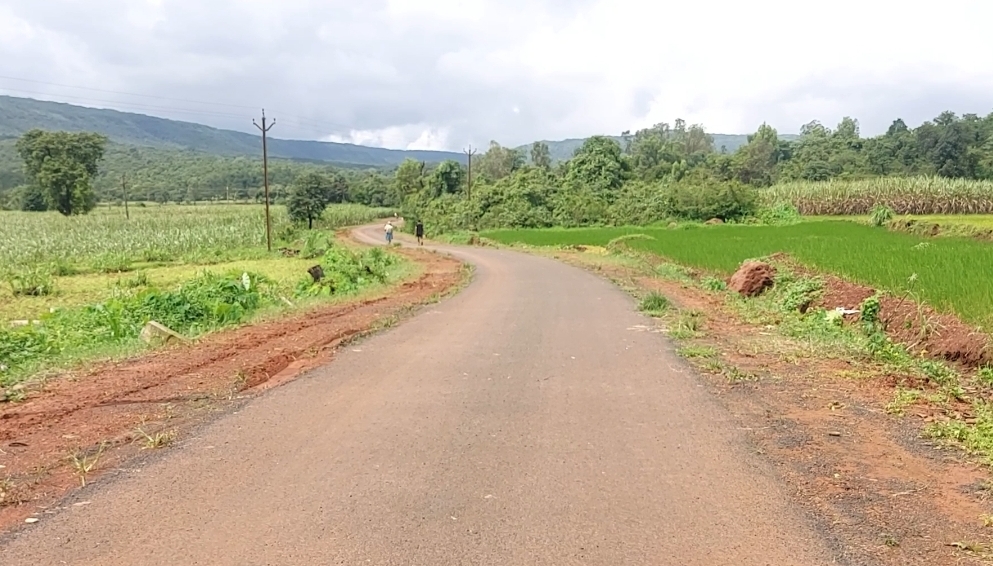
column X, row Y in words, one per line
column 75, row 288
column 155, row 233
column 952, row 274
column 905, row 195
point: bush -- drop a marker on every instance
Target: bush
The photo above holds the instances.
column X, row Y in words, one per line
column 347, row 271
column 33, row 282
column 779, row 214
column 702, row 200
column 880, row 215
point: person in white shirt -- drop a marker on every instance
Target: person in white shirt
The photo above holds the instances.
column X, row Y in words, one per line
column 389, row 232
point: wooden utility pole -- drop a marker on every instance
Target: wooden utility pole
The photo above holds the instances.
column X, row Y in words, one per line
column 265, row 177
column 124, row 189
column 470, row 152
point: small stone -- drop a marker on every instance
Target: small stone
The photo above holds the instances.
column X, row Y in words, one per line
column 834, row 433
column 31, row 520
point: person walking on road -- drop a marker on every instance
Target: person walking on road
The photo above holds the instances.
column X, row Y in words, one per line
column 419, row 232
column 389, row 232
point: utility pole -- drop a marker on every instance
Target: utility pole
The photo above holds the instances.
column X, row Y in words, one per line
column 124, row 188
column 265, row 174
column 470, row 152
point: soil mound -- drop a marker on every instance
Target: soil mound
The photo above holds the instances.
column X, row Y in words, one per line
column 752, row 278
column 916, row 326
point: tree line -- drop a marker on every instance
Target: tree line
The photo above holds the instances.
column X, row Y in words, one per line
column 674, row 171
column 667, row 170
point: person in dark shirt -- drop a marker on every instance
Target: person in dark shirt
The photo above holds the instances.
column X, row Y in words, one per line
column 419, row 232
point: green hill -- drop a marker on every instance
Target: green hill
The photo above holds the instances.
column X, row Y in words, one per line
column 18, row 115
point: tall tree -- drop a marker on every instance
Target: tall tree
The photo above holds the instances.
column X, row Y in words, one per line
column 756, row 160
column 409, row 177
column 541, row 156
column 498, row 162
column 598, row 166
column 309, row 196
column 63, row 165
column 447, row 178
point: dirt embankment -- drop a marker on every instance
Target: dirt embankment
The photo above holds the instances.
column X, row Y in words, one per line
column 918, row 327
column 78, row 426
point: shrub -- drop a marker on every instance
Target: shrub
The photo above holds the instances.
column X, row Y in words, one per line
column 703, row 200
column 34, row 282
column 779, row 214
column 880, row 215
column 655, row 303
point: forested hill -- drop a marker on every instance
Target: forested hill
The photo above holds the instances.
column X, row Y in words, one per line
column 729, row 143
column 18, row 115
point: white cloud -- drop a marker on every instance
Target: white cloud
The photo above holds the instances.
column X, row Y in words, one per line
column 442, row 73
column 411, row 136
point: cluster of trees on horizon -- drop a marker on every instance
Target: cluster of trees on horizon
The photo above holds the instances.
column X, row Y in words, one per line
column 665, row 170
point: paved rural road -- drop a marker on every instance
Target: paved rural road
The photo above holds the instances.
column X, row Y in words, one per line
column 528, row 420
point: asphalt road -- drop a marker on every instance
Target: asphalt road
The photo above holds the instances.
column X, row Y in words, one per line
column 531, row 419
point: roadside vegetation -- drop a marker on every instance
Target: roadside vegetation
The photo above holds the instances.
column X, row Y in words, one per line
column 78, row 287
column 943, row 272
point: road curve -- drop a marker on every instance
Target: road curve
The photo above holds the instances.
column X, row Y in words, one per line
column 528, row 420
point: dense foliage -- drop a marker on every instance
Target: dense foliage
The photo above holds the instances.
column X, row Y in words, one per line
column 652, row 175
column 674, row 172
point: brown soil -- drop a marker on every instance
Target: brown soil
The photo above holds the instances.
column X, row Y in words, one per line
column 112, row 404
column 880, row 493
column 919, row 327
column 752, row 278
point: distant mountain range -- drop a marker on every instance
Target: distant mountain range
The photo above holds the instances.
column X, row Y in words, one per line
column 18, row 115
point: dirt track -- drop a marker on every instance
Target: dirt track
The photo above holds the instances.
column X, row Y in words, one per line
column 529, row 420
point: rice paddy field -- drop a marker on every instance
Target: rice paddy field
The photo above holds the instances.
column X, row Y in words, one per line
column 951, row 274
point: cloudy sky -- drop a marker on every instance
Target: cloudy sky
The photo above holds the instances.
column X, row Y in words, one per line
column 438, row 74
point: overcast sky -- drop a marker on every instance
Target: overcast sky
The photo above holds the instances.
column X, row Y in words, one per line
column 438, row 74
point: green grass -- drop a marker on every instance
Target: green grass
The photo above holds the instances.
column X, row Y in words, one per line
column 191, row 303
column 952, row 274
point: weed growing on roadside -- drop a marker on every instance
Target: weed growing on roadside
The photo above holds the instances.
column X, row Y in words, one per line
column 687, row 325
column 655, row 303
column 84, row 463
column 902, row 399
column 698, row 352
column 157, row 440
column 976, row 438
column 714, row 284
column 673, row 272
column 937, row 372
column 735, row 375
column 985, row 375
